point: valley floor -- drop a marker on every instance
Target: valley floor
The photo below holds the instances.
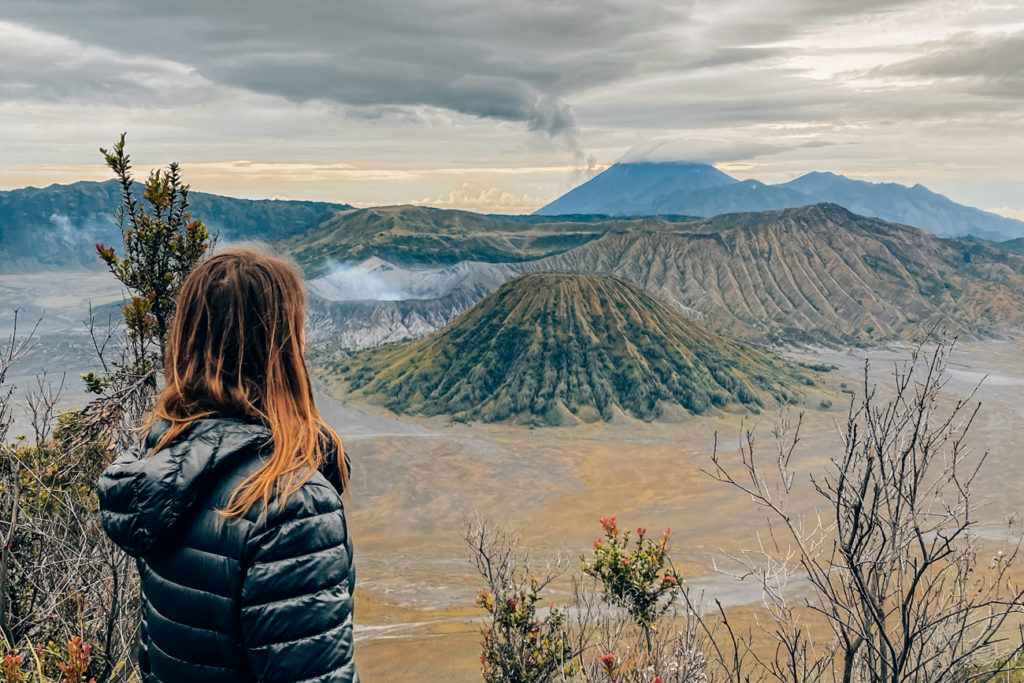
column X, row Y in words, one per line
column 417, row 482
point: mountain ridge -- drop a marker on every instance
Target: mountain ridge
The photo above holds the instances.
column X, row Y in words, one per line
column 817, row 274
column 915, row 205
column 813, row 274
column 56, row 226
column 653, row 188
column 410, row 235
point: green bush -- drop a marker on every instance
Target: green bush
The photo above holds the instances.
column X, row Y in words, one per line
column 520, row 645
column 636, row 579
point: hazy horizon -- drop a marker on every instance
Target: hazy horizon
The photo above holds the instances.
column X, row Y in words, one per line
column 502, row 201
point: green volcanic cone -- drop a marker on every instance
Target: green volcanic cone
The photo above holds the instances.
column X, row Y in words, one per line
column 550, row 347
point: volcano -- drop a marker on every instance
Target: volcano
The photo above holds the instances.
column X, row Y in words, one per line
column 553, row 348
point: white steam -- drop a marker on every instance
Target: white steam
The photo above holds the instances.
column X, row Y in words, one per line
column 376, row 279
column 372, row 279
column 68, row 234
column 65, row 231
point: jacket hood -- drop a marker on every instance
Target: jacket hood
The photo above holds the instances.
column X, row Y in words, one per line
column 143, row 499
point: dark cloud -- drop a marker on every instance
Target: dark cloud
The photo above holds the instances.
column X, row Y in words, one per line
column 46, row 67
column 519, row 61
column 982, row 64
column 514, row 61
column 740, row 23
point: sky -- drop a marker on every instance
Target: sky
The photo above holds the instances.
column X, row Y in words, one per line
column 503, row 106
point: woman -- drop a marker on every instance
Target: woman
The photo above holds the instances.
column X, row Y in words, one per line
column 232, row 502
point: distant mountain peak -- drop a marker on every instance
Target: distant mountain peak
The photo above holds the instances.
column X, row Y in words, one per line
column 685, row 188
column 626, row 189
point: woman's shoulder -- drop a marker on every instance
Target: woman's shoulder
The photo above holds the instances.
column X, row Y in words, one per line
column 146, row 498
column 316, row 496
column 243, row 448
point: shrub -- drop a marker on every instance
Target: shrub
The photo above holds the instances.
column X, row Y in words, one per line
column 522, row 642
column 61, row 579
column 519, row 644
column 622, row 625
column 161, row 246
column 638, row 579
column 49, row 664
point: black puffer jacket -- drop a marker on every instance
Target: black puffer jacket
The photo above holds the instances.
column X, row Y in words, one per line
column 261, row 598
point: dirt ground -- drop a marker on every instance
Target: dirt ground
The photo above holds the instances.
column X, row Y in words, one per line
column 416, row 483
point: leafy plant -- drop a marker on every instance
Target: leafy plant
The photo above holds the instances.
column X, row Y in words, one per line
column 61, row 579
column 638, row 579
column 606, row 633
column 523, row 642
column 50, row 664
column 520, row 644
column 161, row 245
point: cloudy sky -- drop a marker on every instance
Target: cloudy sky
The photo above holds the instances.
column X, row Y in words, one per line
column 502, row 106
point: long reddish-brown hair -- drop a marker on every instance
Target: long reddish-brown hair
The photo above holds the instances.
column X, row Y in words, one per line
column 235, row 349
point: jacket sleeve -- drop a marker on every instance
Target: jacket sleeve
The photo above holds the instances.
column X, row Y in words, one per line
column 296, row 600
